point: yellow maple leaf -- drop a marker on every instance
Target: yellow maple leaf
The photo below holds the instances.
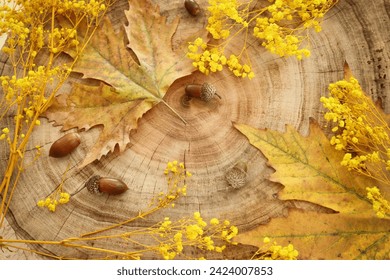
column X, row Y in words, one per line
column 309, row 168
column 136, row 83
column 326, row 236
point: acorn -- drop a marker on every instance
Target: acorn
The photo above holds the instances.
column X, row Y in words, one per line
column 205, row 92
column 192, row 7
column 236, row 176
column 65, row 145
column 98, row 185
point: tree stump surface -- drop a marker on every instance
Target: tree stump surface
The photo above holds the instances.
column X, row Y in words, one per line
column 284, row 91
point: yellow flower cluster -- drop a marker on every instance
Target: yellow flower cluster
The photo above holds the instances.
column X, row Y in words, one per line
column 279, row 26
column 29, row 86
column 4, row 134
column 194, row 232
column 358, row 125
column 220, row 11
column 238, row 69
column 278, row 39
column 357, row 162
column 176, row 175
column 176, row 171
column 213, row 60
column 91, row 7
column 362, row 132
column 14, row 25
column 277, row 32
column 26, row 93
column 58, row 196
column 273, row 251
column 25, row 25
column 205, row 60
column 52, row 201
column 380, row 205
column 208, row 58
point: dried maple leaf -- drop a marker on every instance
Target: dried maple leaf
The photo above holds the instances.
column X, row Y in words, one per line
column 322, row 236
column 310, row 170
column 137, row 83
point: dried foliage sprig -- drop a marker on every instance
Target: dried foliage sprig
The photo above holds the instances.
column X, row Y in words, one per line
column 281, row 27
column 35, row 41
column 168, row 239
column 362, row 133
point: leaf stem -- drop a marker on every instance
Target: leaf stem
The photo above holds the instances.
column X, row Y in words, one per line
column 174, row 111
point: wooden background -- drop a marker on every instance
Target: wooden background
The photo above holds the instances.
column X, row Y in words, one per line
column 284, row 91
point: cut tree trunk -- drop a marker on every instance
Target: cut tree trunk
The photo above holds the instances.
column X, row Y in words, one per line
column 284, row 91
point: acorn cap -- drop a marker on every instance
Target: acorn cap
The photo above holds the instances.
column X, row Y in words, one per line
column 93, row 184
column 207, row 92
column 236, row 176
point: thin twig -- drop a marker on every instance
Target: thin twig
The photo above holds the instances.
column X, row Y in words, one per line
column 174, row 111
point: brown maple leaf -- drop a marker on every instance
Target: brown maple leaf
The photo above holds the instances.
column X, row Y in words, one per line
column 133, row 85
